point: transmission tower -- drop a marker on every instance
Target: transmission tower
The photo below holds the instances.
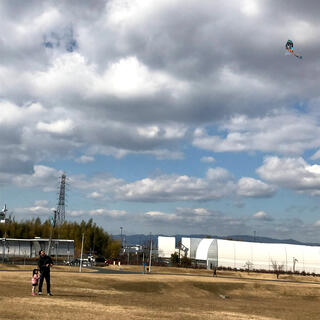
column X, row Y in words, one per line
column 61, row 211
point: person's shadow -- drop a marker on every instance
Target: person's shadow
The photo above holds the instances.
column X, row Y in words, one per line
column 75, row 295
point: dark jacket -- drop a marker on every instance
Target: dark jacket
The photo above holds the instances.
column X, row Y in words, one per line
column 42, row 263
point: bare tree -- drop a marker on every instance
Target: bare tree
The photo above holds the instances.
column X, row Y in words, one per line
column 248, row 266
column 277, row 267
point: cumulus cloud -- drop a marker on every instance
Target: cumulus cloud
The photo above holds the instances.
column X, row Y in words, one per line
column 121, row 97
column 85, row 159
column 207, row 159
column 98, row 212
column 43, row 177
column 95, row 195
column 57, row 127
column 158, row 215
column 217, row 184
column 285, row 132
column 261, row 215
column 42, row 203
column 184, row 216
column 39, row 209
column 254, row 188
column 292, row 173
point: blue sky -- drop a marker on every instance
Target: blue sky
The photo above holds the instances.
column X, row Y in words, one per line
column 166, row 116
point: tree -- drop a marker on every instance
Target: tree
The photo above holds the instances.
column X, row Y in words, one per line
column 185, row 262
column 174, row 259
column 115, row 248
column 248, row 265
column 277, row 268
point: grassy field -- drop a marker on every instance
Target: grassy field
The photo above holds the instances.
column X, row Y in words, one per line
column 166, row 293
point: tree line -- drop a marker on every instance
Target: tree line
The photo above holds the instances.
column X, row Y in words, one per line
column 96, row 240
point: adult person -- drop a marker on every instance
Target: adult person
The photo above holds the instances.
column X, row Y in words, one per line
column 44, row 263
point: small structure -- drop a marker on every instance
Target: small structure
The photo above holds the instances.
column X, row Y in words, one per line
column 29, row 248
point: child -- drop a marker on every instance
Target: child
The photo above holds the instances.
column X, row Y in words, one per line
column 35, row 279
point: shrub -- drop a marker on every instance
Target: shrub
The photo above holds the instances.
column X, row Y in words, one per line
column 174, row 259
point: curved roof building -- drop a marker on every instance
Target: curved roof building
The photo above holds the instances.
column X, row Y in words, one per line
column 240, row 254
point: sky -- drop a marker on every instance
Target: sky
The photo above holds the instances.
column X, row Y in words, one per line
column 166, row 116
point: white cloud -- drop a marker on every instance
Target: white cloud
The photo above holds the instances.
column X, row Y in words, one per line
column 129, row 77
column 105, row 212
column 261, row 215
column 317, row 224
column 11, row 114
column 95, row 195
column 58, row 127
column 292, row 173
column 158, row 215
column 183, row 215
column 98, row 212
column 77, row 213
column 43, row 177
column 250, row 187
column 42, row 203
column 39, row 209
column 207, row 159
column 85, row 159
column 217, row 184
column 201, row 212
column 282, row 132
column 172, row 131
column 250, row 7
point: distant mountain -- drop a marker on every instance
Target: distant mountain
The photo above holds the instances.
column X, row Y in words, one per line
column 142, row 239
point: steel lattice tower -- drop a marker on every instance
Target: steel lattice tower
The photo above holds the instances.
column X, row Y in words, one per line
column 61, row 211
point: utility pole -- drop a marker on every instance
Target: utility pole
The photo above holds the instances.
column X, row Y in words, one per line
column 3, row 249
column 81, row 252
column 53, row 224
column 150, row 253
column 121, row 237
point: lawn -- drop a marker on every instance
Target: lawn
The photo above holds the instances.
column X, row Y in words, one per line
column 163, row 294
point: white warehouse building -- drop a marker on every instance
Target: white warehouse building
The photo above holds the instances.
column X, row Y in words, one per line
column 30, row 248
column 240, row 254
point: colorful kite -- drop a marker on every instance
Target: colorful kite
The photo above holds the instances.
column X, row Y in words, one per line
column 289, row 47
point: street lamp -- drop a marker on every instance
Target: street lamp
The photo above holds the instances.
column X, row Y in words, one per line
column 121, row 237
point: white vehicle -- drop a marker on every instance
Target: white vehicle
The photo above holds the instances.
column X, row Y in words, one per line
column 86, row 262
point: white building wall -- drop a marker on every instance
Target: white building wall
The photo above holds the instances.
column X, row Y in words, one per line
column 202, row 250
column 237, row 254
column 166, row 246
column 226, row 254
column 308, row 258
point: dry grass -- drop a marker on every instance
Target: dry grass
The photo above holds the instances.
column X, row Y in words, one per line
column 154, row 296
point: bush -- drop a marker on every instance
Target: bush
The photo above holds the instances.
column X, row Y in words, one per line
column 174, row 259
column 185, row 262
